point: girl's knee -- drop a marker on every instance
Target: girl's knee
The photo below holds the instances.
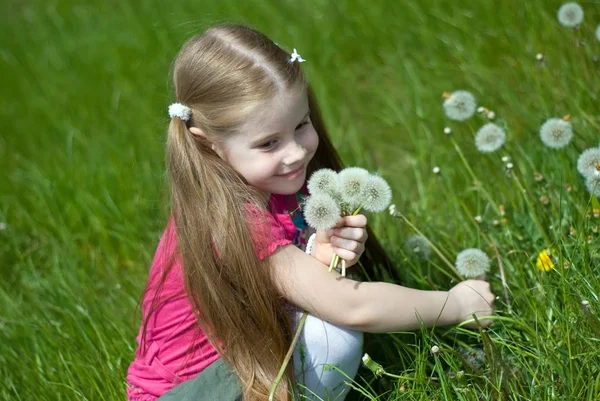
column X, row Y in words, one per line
column 326, row 343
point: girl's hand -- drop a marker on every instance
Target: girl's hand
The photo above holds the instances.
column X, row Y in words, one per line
column 474, row 296
column 347, row 239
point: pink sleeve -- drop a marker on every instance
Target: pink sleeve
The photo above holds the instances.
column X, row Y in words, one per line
column 268, row 233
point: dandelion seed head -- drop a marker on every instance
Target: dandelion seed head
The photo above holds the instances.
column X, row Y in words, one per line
column 509, row 166
column 447, row 131
column 556, row 133
column 324, row 180
column 436, row 170
column 570, row 14
column 586, row 164
column 474, row 358
column 435, row 349
column 478, row 219
column 460, row 105
column 472, row 262
column 592, row 183
column 321, row 211
column 505, row 159
column 417, row 245
column 351, row 181
column 539, row 56
column 480, row 109
column 377, row 194
column 489, row 138
column 491, row 115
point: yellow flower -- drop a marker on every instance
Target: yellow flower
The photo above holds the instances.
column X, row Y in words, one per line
column 544, row 260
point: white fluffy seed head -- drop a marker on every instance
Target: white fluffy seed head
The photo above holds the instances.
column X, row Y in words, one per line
column 586, row 164
column 505, row 159
column 491, row 115
column 592, row 183
column 509, row 166
column 351, row 182
column 570, row 14
column 489, row 138
column 436, row 170
column 377, row 194
column 447, row 131
column 480, row 109
column 460, row 105
column 417, row 245
column 539, row 56
column 321, row 211
column 556, row 133
column 472, row 262
column 324, row 180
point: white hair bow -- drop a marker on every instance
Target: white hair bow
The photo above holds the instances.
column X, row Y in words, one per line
column 296, row 56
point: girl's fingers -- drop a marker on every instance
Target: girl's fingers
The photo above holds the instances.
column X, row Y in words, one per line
column 350, row 245
column 345, row 254
column 351, row 233
column 359, row 220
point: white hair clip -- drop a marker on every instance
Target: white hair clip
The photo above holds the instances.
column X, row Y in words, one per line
column 296, row 56
column 180, row 110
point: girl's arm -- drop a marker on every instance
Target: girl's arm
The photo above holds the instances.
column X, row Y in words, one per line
column 373, row 307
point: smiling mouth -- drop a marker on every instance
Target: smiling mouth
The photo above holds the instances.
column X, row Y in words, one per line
column 292, row 172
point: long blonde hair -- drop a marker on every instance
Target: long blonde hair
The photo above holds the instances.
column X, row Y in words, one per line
column 222, row 75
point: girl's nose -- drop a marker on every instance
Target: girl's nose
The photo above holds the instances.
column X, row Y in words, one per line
column 297, row 153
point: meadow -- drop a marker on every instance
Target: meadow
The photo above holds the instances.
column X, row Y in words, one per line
column 83, row 106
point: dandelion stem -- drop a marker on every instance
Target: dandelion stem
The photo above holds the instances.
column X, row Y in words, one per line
column 531, row 209
column 331, row 264
column 502, row 276
column 472, row 174
column 435, row 249
column 400, row 377
column 335, row 260
column 288, row 355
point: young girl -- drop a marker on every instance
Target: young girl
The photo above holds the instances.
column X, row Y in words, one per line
column 230, row 277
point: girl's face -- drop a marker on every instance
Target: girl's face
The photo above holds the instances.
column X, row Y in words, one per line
column 277, row 140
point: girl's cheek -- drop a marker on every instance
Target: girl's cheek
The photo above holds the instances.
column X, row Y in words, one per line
column 313, row 141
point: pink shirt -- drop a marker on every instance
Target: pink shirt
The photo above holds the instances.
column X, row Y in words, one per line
column 176, row 349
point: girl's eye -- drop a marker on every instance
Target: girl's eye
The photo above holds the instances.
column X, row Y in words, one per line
column 303, row 124
column 264, row 146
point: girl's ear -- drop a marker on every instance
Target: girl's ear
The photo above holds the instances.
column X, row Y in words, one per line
column 197, row 131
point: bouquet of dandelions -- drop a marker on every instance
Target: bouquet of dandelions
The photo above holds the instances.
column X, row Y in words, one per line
column 335, row 195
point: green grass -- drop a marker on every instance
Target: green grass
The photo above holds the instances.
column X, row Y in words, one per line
column 83, row 107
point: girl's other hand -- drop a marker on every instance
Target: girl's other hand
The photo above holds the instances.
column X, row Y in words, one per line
column 474, row 296
column 347, row 239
